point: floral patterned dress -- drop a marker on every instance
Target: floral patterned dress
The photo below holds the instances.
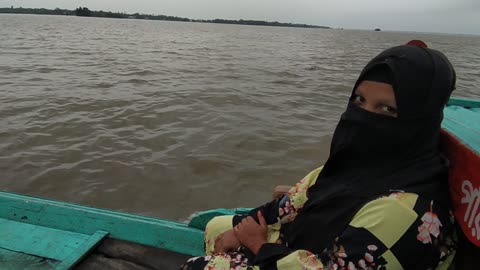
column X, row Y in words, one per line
column 396, row 231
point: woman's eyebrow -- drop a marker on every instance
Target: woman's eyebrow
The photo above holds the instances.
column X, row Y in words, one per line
column 359, row 89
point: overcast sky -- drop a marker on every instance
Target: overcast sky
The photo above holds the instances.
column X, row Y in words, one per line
column 447, row 16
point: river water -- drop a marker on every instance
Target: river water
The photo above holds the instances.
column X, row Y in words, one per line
column 169, row 118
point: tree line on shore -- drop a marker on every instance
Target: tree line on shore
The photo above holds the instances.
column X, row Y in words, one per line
column 85, row 12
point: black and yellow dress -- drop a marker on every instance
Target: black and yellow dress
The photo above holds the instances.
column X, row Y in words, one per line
column 396, row 231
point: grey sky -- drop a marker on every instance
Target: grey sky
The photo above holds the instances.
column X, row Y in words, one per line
column 449, row 16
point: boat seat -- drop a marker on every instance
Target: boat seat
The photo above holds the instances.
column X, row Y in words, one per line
column 43, row 246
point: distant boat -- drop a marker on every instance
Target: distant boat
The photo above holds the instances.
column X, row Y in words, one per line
column 378, row 29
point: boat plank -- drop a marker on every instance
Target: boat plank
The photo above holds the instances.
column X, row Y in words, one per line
column 82, row 250
column 39, row 241
column 464, row 125
column 470, row 117
column 464, row 102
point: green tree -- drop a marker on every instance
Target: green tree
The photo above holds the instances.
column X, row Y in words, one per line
column 83, row 11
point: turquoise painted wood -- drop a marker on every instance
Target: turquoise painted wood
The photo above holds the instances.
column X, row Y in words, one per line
column 464, row 102
column 462, row 119
column 81, row 251
column 170, row 235
column 40, row 241
column 65, row 247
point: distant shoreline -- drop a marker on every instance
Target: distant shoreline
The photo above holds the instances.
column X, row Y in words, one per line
column 85, row 12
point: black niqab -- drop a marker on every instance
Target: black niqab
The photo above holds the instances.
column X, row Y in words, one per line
column 372, row 155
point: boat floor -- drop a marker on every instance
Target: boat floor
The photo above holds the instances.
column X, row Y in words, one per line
column 119, row 255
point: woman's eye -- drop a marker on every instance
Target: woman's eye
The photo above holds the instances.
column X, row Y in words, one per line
column 359, row 99
column 389, row 110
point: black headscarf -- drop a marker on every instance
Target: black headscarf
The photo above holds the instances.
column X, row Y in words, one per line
column 372, row 154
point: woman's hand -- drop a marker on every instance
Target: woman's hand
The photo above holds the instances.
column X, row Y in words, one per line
column 226, row 242
column 251, row 234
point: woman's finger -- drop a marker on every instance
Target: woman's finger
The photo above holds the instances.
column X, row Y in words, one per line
column 261, row 220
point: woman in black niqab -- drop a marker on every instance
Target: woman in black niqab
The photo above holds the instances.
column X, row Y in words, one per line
column 372, row 154
column 346, row 219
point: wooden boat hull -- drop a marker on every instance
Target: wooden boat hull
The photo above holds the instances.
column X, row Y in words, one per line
column 39, row 233
column 51, row 234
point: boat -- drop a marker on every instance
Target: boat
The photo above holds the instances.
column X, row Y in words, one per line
column 39, row 233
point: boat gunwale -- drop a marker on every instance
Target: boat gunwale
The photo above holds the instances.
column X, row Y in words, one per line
column 164, row 234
